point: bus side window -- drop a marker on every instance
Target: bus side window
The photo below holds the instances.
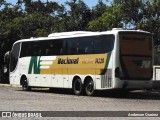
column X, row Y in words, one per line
column 51, row 48
column 77, row 49
column 40, row 52
column 103, row 43
column 28, row 51
column 72, row 46
column 47, row 52
column 56, row 48
column 61, row 51
column 86, row 45
column 41, row 48
column 35, row 50
column 89, row 49
column 25, row 49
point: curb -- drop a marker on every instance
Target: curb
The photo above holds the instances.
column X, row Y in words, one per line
column 9, row 85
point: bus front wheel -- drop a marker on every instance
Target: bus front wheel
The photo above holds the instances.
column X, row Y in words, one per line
column 25, row 86
column 78, row 86
column 89, row 87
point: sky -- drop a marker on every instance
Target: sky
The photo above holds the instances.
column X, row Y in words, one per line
column 90, row 3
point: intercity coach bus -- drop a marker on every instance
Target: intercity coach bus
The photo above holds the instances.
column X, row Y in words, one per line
column 84, row 61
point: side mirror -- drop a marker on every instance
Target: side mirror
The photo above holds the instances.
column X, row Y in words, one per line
column 5, row 69
column 7, row 57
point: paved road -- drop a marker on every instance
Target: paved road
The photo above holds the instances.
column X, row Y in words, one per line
column 14, row 99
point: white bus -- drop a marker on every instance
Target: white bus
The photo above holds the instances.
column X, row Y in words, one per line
column 84, row 61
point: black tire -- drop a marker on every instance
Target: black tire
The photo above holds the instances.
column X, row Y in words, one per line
column 25, row 86
column 78, row 87
column 89, row 87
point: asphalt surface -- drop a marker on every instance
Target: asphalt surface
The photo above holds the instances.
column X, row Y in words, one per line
column 12, row 98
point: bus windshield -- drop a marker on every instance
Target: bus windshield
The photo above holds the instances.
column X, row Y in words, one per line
column 136, row 55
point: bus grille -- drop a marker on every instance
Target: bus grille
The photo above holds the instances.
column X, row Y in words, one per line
column 106, row 80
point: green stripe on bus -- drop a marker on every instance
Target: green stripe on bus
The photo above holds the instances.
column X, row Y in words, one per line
column 108, row 59
column 106, row 64
column 34, row 65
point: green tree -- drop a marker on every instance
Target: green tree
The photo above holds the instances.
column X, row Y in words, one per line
column 2, row 2
column 98, row 10
column 111, row 18
column 7, row 36
column 79, row 15
column 142, row 14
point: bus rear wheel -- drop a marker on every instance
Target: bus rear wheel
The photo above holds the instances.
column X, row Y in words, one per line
column 77, row 87
column 89, row 87
column 25, row 86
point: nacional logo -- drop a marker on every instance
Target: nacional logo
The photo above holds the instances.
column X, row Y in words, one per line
column 68, row 61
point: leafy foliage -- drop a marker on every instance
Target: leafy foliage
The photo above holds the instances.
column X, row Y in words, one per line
column 110, row 19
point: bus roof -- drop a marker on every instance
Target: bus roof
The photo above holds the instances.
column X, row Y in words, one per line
column 72, row 34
